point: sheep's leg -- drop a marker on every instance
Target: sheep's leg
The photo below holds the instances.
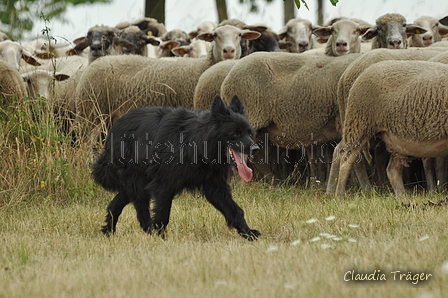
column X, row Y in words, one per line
column 313, row 167
column 429, row 167
column 394, row 172
column 347, row 161
column 334, row 170
column 381, row 161
column 442, row 171
column 361, row 174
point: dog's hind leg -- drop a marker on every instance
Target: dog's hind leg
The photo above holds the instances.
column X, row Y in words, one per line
column 114, row 211
column 220, row 196
column 141, row 205
column 161, row 211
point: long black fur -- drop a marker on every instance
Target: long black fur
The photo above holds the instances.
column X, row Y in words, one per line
column 154, row 153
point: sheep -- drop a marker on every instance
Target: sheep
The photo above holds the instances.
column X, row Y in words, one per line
column 268, row 40
column 39, row 82
column 203, row 27
column 297, row 33
column 114, row 84
column 197, row 48
column 209, row 83
column 11, row 85
column 102, row 40
column 11, row 52
column 170, row 40
column 434, row 32
column 436, row 168
column 150, row 26
column 139, row 39
column 390, row 32
column 395, row 92
column 47, row 48
column 290, row 97
column 343, row 37
column 344, row 85
column 67, row 65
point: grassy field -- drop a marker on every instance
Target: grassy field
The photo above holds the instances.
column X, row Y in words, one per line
column 311, row 246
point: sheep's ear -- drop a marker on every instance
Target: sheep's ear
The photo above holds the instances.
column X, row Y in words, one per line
column 444, row 21
column 192, row 34
column 370, row 33
column 208, row 36
column 249, row 34
column 61, row 76
column 412, row 29
column 323, row 32
column 180, row 51
column 124, row 43
column 258, row 28
column 236, row 105
column 80, row 46
column 218, row 107
column 363, row 30
column 282, row 33
column 29, row 58
column 150, row 40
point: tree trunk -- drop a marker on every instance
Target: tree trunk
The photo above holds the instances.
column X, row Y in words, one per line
column 221, row 6
column 288, row 10
column 320, row 12
column 155, row 9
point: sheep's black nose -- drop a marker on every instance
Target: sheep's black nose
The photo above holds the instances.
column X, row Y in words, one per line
column 254, row 149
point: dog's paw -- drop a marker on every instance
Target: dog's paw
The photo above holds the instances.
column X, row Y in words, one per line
column 106, row 230
column 251, row 235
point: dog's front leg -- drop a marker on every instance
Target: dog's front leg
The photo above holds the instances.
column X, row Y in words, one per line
column 220, row 196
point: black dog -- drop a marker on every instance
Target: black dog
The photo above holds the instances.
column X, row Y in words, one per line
column 154, row 153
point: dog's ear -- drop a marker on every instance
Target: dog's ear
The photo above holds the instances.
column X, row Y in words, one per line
column 218, row 106
column 236, row 105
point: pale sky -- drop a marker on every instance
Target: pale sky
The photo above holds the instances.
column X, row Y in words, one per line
column 187, row 14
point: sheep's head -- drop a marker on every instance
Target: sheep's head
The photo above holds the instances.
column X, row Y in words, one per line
column 391, row 32
column 434, row 32
column 139, row 39
column 226, row 41
column 343, row 37
column 267, row 42
column 11, row 52
column 297, row 33
column 102, row 40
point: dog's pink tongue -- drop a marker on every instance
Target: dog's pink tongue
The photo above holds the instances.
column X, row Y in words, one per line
column 243, row 170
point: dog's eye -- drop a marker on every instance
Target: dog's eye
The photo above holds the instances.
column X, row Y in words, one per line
column 237, row 134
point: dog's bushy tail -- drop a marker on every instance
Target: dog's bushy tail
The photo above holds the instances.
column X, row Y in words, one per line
column 104, row 174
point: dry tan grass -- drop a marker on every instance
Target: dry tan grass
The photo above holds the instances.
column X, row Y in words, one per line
column 51, row 244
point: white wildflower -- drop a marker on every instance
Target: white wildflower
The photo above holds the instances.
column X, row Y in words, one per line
column 423, row 238
column 311, row 220
column 296, row 242
column 272, row 248
column 329, row 218
column 315, row 239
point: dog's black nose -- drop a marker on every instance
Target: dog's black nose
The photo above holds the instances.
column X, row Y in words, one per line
column 254, row 149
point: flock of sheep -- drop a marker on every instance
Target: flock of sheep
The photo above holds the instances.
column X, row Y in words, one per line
column 324, row 100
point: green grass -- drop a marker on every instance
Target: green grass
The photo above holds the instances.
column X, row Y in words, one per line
column 57, row 250
column 51, row 244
